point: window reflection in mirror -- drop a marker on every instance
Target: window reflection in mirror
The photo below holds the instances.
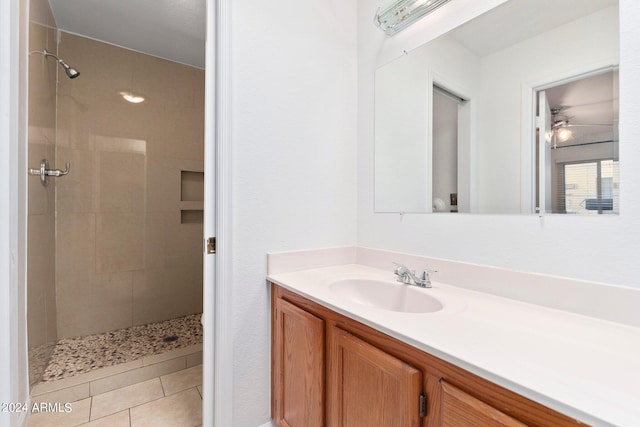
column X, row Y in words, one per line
column 498, row 74
column 580, row 146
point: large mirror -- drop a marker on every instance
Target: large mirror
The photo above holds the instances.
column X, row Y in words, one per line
column 514, row 112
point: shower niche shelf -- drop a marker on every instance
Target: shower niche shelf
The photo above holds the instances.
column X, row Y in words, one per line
column 191, row 197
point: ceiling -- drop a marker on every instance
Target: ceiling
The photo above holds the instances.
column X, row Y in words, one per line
column 590, row 105
column 518, row 20
column 585, row 102
column 170, row 29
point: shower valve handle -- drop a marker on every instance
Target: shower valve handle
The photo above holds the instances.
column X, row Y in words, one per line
column 58, row 172
column 44, row 172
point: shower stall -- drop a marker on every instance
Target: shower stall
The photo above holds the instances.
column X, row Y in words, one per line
column 114, row 238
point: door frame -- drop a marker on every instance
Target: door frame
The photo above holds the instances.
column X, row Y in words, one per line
column 13, row 215
column 217, row 285
column 218, row 336
column 528, row 172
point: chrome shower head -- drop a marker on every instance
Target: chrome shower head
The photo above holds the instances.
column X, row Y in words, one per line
column 71, row 72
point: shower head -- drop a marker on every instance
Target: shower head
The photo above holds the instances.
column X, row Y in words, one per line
column 71, row 72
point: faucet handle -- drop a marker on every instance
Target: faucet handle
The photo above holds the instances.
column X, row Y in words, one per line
column 403, row 273
column 425, row 280
column 425, row 273
column 400, row 268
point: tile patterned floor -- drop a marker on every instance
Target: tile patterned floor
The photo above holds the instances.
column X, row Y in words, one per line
column 173, row 400
column 73, row 356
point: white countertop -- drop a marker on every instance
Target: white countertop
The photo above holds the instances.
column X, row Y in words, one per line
column 584, row 367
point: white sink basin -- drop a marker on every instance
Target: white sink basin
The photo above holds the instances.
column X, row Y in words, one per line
column 390, row 296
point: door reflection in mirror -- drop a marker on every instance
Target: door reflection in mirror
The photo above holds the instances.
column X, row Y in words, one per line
column 447, row 109
column 578, row 164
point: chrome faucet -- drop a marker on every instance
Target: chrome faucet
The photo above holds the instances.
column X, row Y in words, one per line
column 409, row 277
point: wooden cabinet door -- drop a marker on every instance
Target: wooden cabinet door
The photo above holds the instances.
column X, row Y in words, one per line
column 298, row 367
column 459, row 409
column 368, row 387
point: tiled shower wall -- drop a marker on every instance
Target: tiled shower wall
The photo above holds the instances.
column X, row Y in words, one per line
column 123, row 255
column 41, row 293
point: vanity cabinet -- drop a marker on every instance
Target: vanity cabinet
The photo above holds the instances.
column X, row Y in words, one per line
column 297, row 367
column 369, row 387
column 330, row 370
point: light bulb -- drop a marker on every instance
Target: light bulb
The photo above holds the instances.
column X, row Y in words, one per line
column 132, row 97
column 564, row 134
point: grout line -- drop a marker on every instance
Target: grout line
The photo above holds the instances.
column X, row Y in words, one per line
column 90, row 408
column 164, row 393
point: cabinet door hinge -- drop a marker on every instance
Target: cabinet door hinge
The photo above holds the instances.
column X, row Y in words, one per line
column 423, row 405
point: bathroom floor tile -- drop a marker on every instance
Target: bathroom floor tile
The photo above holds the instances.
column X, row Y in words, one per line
column 79, row 414
column 120, row 419
column 126, row 397
column 169, row 400
column 181, row 380
column 183, row 409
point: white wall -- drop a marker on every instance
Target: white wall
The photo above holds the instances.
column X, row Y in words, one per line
column 600, row 249
column 401, row 137
column 294, row 99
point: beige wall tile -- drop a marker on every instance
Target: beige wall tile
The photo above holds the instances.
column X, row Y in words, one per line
column 115, row 181
column 163, row 190
column 141, row 374
column 85, row 378
column 119, row 208
column 78, row 191
column 41, row 310
column 69, row 394
column 75, row 246
column 41, row 198
column 189, row 352
column 194, row 359
column 119, row 242
column 156, row 295
column 94, row 303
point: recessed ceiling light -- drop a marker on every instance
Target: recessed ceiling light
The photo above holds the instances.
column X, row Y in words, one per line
column 131, row 97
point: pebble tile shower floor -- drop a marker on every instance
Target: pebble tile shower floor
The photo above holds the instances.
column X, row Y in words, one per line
column 72, row 356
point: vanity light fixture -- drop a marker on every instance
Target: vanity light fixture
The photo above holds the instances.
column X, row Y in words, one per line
column 131, row 97
column 399, row 14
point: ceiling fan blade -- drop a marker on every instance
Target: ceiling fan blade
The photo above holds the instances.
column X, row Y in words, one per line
column 594, row 124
